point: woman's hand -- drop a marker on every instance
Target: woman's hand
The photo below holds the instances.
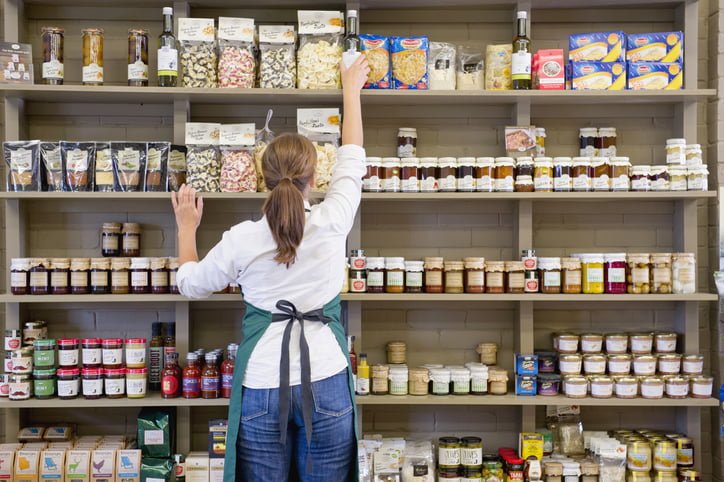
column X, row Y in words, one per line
column 355, row 76
column 188, row 208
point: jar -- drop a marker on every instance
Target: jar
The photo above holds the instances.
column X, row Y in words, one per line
column 112, row 352
column 91, row 354
column 698, row 178
column 34, row 330
column 13, row 340
column 410, row 175
column 497, row 381
column 399, row 378
column 665, row 455
column 136, row 353
column 478, row 379
column 447, row 179
column 471, row 453
column 440, row 381
column 701, row 387
column 44, row 353
column 571, row 275
column 111, row 240
column 492, row 468
column 488, row 353
column 640, row 181
column 140, row 276
column 607, row 136
column 582, row 173
column 601, row 387
column 594, row 364
column 616, row 343
column 614, row 273
column 53, row 55
column 131, row 240
column 620, row 174
column 692, row 364
column 474, row 275
column 562, row 170
column 120, row 276
column 495, row 277
column 448, row 452
column 550, row 275
column 434, row 275
column 375, row 275
column 137, row 57
column 524, row 167
column 669, row 364
column 638, row 456
column 683, row 271
column 570, row 364
column 549, row 385
column 136, row 381
column 665, row 342
column 465, row 179
column 372, row 182
column 575, row 387
column 644, row 365
column 358, row 282
column 694, row 155
column 21, row 387
column 68, row 383
column 100, row 269
column 566, row 343
column 601, row 174
column 661, row 273
column 660, row 179
column 675, row 154
column 380, row 380
column 684, row 452
column 485, row 174
column 652, row 388
column 504, row 174
column 639, row 273
column 395, row 275
column 413, row 276
column 38, row 278
column 678, row 178
column 642, row 343
column 543, row 177
column 419, row 380
column 92, row 383
column 524, row 184
column 626, row 387
column 690, row 476
column 19, row 276
column 515, row 275
column 454, row 274
column 677, row 387
column 619, row 364
column 591, row 343
column 114, row 382
column 59, row 276
column 587, row 140
column 159, row 276
column 22, row 361
column 92, row 56
column 460, row 381
column 79, row 269
column 429, row 174
column 407, row 142
column 592, row 273
column 44, row 383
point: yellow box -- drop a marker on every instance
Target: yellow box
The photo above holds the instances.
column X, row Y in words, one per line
column 26, row 466
column 655, row 76
column 530, row 445
column 598, row 75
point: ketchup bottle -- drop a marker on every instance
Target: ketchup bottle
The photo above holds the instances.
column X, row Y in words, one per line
column 171, row 377
column 227, row 370
column 192, row 377
column 210, row 379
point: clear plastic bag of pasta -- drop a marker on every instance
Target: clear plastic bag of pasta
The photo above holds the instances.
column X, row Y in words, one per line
column 198, row 58
column 322, row 127
column 238, row 173
column 320, row 50
column 263, row 137
column 277, row 57
column 203, row 162
column 237, row 64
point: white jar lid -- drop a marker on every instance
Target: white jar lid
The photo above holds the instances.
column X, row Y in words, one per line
column 591, row 258
column 428, row 161
column 549, row 263
column 375, row 263
column 410, row 161
column 466, row 161
column 485, row 161
column 391, row 160
column 614, row 257
column 677, row 141
column 620, row 161
column 582, row 161
column 448, row 162
column 416, row 266
column 588, row 132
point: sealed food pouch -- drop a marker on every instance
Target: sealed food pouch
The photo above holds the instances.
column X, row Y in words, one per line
column 237, row 65
column 278, row 63
column 377, row 51
column 198, row 57
column 409, row 63
column 320, row 49
column 78, row 159
column 156, row 166
column 263, row 137
column 103, row 179
column 52, row 166
column 499, row 59
column 238, row 173
column 441, row 66
column 322, row 127
column 176, row 169
column 203, row 163
column 471, row 68
column 129, row 165
column 23, row 165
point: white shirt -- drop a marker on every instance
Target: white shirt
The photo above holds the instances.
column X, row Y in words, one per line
column 245, row 255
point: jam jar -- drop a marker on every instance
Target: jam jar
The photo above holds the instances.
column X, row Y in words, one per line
column 465, row 178
column 448, row 174
column 140, row 276
column 571, row 276
column 372, row 182
column 131, row 240
column 114, row 382
column 394, row 275
column 59, row 276
column 614, row 271
column 485, row 174
column 562, row 171
column 582, row 174
column 588, row 140
column 620, row 174
column 414, row 276
column 112, row 352
column 474, row 275
column 504, row 174
column 44, row 383
column 172, row 272
column 120, row 276
column 19, row 276
column 111, row 240
column 601, row 174
column 410, row 174
column 68, row 383
column 100, row 276
column 91, row 354
column 44, row 353
column 550, row 275
column 79, row 269
column 159, row 276
column 592, row 273
column 659, row 178
column 429, row 174
column 515, row 276
column 68, row 352
column 375, row 275
column 524, row 167
column 454, row 275
column 39, row 276
column 434, row 268
column 543, row 177
column 391, row 181
column 495, row 277
column 92, row 383
column 640, row 181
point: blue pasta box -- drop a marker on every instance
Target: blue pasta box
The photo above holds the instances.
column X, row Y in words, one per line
column 526, row 364
column 597, row 47
column 526, row 385
column 655, row 47
column 598, row 75
column 655, row 76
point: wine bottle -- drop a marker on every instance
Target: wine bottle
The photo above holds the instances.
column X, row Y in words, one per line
column 167, row 53
column 522, row 55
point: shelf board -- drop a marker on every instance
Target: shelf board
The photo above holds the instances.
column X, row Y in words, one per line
column 121, row 94
column 363, row 297
column 155, row 400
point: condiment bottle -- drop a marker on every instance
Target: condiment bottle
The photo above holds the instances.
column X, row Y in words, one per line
column 169, row 337
column 171, row 377
column 210, row 378
column 155, row 357
column 191, row 378
column 363, row 375
column 227, row 370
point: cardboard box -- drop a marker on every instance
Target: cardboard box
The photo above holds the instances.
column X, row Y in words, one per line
column 103, row 465
column 526, row 364
column 31, row 434
column 530, row 445
column 525, row 385
column 549, row 72
column 216, row 470
column 217, row 438
column 197, row 467
column 597, row 47
column 598, row 75
column 128, row 466
column 58, row 433
column 7, row 464
column 655, row 47
column 77, row 465
column 26, row 466
column 52, row 465
column 655, row 76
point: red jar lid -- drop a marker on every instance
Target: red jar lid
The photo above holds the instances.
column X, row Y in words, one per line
column 68, row 372
column 92, row 372
column 112, row 341
column 114, row 371
column 136, row 341
column 91, row 341
column 516, row 461
column 68, row 341
column 136, row 371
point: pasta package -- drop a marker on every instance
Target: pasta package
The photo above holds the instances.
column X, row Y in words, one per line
column 23, row 165
column 655, row 76
column 198, row 57
column 377, row 50
column 237, row 65
column 238, row 173
column 322, row 127
column 277, row 64
column 597, row 47
column 441, row 66
column 320, row 49
column 409, row 63
column 499, row 59
column 203, row 163
column 598, row 75
column 655, row 47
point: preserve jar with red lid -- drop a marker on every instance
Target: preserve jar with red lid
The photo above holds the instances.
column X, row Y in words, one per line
column 114, row 382
column 92, row 383
column 68, row 352
column 112, row 349
column 68, row 383
column 92, row 355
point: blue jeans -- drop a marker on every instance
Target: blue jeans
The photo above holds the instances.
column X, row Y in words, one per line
column 260, row 456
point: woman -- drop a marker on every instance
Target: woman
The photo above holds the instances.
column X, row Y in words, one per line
column 292, row 399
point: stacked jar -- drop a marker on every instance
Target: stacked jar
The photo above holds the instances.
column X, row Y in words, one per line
column 358, row 271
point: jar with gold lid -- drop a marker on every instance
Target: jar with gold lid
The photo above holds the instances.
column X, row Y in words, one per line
column 601, row 387
column 515, row 277
column 616, row 343
column 626, row 387
column 641, row 343
column 495, row 277
column 639, row 456
column 677, row 387
column 575, row 386
column 665, row 342
column 566, row 343
column 570, row 364
column 644, row 365
column 474, row 275
column 701, row 387
column 594, row 364
column 619, row 364
column 652, row 388
column 591, row 343
column 669, row 364
column 434, row 268
column 692, row 365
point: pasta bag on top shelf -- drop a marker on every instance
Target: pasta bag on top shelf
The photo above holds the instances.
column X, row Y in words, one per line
column 377, row 51
column 320, row 49
column 499, row 59
column 409, row 63
column 322, row 127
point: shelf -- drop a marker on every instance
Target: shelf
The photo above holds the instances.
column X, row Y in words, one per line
column 120, row 94
column 155, row 400
column 363, row 297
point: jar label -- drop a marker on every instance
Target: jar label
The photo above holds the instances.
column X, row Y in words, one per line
column 678, row 183
column 594, row 275
column 159, row 278
column 363, row 386
column 506, row 184
column 693, row 367
column 669, row 367
column 110, row 243
column 660, row 184
column 662, row 275
column 675, row 154
column 68, row 358
column 601, row 183
column 626, row 390
column 698, row 182
column 543, row 183
column 410, row 185
column 471, row 456
column 92, row 387
column 609, row 151
column 136, row 386
column 616, row 275
column 484, row 184
column 569, row 367
column 372, row 183
column 395, row 278
column 167, row 62
column 53, row 70
column 516, row 280
column 448, row 183
column 453, row 279
column 551, row 278
column 358, row 286
column 119, row 279
column 701, row 389
column 531, row 286
column 112, row 356
column 595, row 367
column 44, row 358
column 19, row 280
column 131, row 242
column 495, row 280
column 376, row 279
column 191, row 385
column 588, row 151
column 227, row 380
column 652, row 391
column 686, row 275
column 665, row 459
column 68, row 388
column 91, row 356
column 38, row 279
column 641, row 346
column 138, row 71
column 433, row 278
column 391, row 184
column 644, row 368
column 99, row 278
column 93, row 73
column 79, row 279
column 379, row 385
column 169, row 385
column 576, row 390
column 59, row 280
column 639, row 461
column 466, row 183
column 582, row 183
column 12, row 343
column 640, row 275
column 43, row 388
column 562, row 183
column 172, row 278
column 135, row 356
column 406, row 150
column 641, row 184
column 601, row 390
column 479, row 385
column 588, row 346
column 448, row 457
column 139, row 280
column 429, row 184
column 414, row 279
column 476, row 278
column 573, row 277
column 621, row 183
column 22, row 365
column 685, row 457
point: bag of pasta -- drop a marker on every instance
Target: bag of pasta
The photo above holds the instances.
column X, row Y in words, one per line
column 499, row 59
column 263, row 137
column 320, row 49
column 322, row 127
column 238, row 173
column 237, row 65
column 203, row 164
column 198, row 58
column 441, row 66
column 471, row 68
column 409, row 63
column 277, row 64
column 377, row 51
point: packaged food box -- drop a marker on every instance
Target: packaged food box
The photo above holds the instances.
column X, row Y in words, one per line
column 526, row 385
column 655, row 76
column 77, row 465
column 217, row 438
column 197, row 467
column 31, row 434
column 597, row 46
column 526, row 364
column 128, row 465
column 598, row 75
column 655, row 47
column 530, row 445
column 216, row 470
column 26, row 466
column 52, row 465
column 103, row 465
column 549, row 70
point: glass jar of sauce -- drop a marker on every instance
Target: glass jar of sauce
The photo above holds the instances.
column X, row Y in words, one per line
column 640, row 181
column 562, row 171
column 448, row 179
column 504, row 174
column 372, row 182
column 484, row 174
column 414, row 276
column 172, row 272
column 59, row 276
column 68, row 383
column 136, row 382
column 495, row 277
column 131, row 236
column 159, row 276
column 68, row 352
column 601, row 174
column 515, row 277
column 137, row 57
column 53, row 55
column 79, row 269
column 92, row 56
column 111, row 240
column 100, row 275
column 582, row 173
column 434, row 275
column 391, row 174
column 677, row 178
column 588, row 140
column 394, row 275
column 407, row 142
column 44, row 353
column 571, row 276
column 114, row 382
column 380, row 380
column 524, row 184
column 44, row 383
column 112, row 352
column 375, row 275
column 550, row 275
column 620, row 174
column 607, row 136
column 410, row 178
column 615, row 273
column 140, row 276
column 191, row 377
column 136, row 353
column 92, row 383
column 91, row 354
column 429, row 174
column 465, row 179
column 19, row 276
column 454, row 275
column 524, row 167
column 474, row 275
column 659, row 179
column 544, row 175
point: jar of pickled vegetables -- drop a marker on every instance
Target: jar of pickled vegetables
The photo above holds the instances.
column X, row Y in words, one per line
column 661, row 273
column 639, row 273
column 592, row 272
column 615, row 273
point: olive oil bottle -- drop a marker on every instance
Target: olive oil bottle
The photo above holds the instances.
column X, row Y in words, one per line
column 522, row 56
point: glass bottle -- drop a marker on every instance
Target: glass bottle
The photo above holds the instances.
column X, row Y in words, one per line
column 169, row 337
column 137, row 57
column 53, row 45
column 155, row 357
column 227, row 370
column 191, row 377
column 131, row 235
column 210, row 378
column 363, row 376
column 167, row 53
column 171, row 377
column 351, row 40
column 522, row 55
column 93, row 56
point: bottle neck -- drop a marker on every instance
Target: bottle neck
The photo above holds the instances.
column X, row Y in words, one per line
column 522, row 27
column 168, row 24
column 351, row 26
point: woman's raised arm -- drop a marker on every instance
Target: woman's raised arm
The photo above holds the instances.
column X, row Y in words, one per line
column 353, row 79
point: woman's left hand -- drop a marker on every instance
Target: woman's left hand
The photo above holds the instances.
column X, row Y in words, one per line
column 187, row 207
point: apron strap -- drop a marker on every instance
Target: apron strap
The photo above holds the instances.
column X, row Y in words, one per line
column 290, row 314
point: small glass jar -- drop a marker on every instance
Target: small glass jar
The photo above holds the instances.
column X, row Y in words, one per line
column 20, row 387
column 471, row 456
column 591, row 343
column 448, row 174
column 414, row 276
column 692, row 365
column 640, row 180
column 53, row 55
column 566, row 343
column 616, row 343
column 675, row 151
column 465, row 179
column 114, row 382
column 478, row 379
column 394, row 275
column 454, row 277
column 582, row 173
column 639, row 456
column 92, row 383
column 120, row 276
column 440, row 381
column 131, row 240
column 79, row 274
column 495, row 277
column 701, row 387
column 111, row 240
column 619, row 364
column 639, row 273
column 136, row 382
column 59, row 276
column 592, row 273
column 136, row 353
column 474, row 275
column 588, row 141
column 485, row 174
column 159, row 276
column 660, row 179
column 524, row 184
column 601, row 387
column 665, row 454
column 620, row 174
column 504, row 174
column 419, row 379
column 429, row 174
column 91, row 353
column 34, row 330
column 410, row 175
column 68, row 352
column 669, row 364
column 614, row 273
column 488, row 353
column 694, row 155
column 543, row 177
column 372, row 181
column 172, row 272
column 697, row 178
column 44, row 383
column 524, row 167
column 460, row 381
column 665, row 342
column 642, row 343
column 380, row 380
column 570, row 364
column 92, row 56
column 375, row 275
column 100, row 275
column 515, row 277
column 19, row 276
column 678, row 178
column 661, row 273
column 448, row 453
column 112, row 352
column 137, row 57
column 571, row 276
column 550, row 275
column 68, row 383
column 644, row 365
column 562, row 170
column 626, row 387
column 399, row 378
column 140, row 276
column 601, row 174
column 683, row 271
column 594, row 364
column 575, row 387
column 22, row 361
column 44, row 353
column 434, row 279
column 652, row 388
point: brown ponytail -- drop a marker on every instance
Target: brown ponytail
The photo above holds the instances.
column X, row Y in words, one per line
column 288, row 167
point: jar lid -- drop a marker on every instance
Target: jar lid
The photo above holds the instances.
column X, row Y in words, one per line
column 68, row 341
column 112, row 341
column 140, row 263
column 407, row 130
column 91, row 341
column 93, row 30
column 114, row 371
column 396, row 345
column 120, row 263
column 172, row 263
column 137, row 371
column 599, row 161
column 453, row 265
column 59, row 263
column 602, row 379
column 669, row 356
column 641, row 335
column 698, row 170
column 570, row 263
column 53, row 29
column 549, row 263
column 504, row 161
column 434, row 262
column 614, row 257
column 524, row 160
column 100, row 263
column 79, row 264
column 394, row 260
column 47, row 343
column 485, row 161
column 540, row 131
column 543, row 161
column 660, row 255
column 676, row 141
column 20, row 263
column 658, row 170
column 701, row 379
column 693, row 147
column 620, row 161
column 639, row 258
column 137, row 31
column 693, row 357
column 35, row 324
column 587, row 258
column 466, row 161
column 581, row 161
column 641, row 169
column 474, row 263
column 562, row 161
column 495, row 265
column 448, row 162
column 514, row 266
column 92, row 372
column 449, row 440
column 415, row 266
column 68, row 372
column 607, row 131
column 158, row 263
column 44, row 372
column 589, row 131
column 373, row 160
column 112, row 227
column 136, row 341
column 410, row 161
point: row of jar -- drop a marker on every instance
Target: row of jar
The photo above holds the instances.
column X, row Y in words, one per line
column 618, row 365
column 542, row 174
column 121, row 240
column 616, row 343
column 111, row 353
column 80, row 276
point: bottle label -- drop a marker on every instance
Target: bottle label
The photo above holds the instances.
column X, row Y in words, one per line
column 154, row 372
column 227, row 380
column 93, row 73
column 138, row 71
column 53, row 70
column 209, row 384
column 363, row 386
column 191, row 385
column 616, row 275
column 169, row 385
column 521, row 65
column 168, row 62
